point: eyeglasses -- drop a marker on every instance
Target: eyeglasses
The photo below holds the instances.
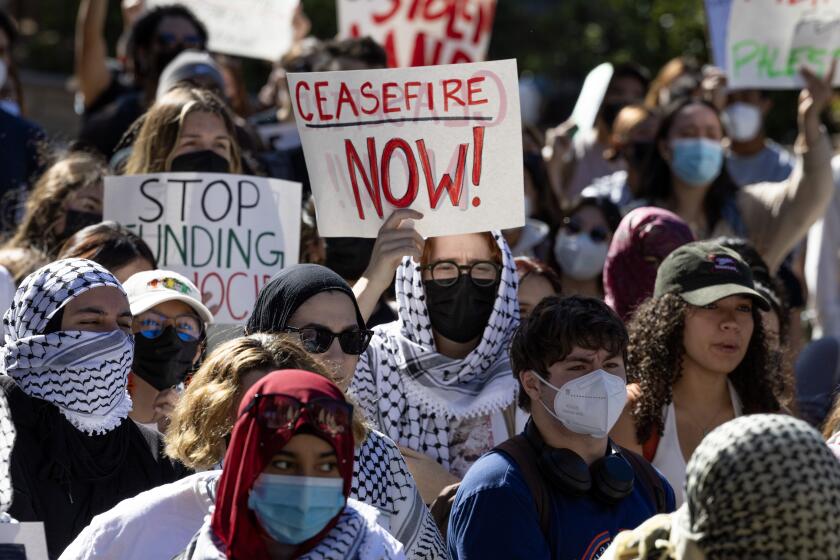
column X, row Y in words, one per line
column 170, row 40
column 598, row 234
column 152, row 325
column 169, row 284
column 317, row 340
column 276, row 411
column 448, row 273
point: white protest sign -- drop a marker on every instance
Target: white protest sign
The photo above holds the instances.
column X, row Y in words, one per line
column 717, row 19
column 591, row 96
column 250, row 28
column 443, row 140
column 768, row 41
column 227, row 233
column 421, row 33
column 32, row 544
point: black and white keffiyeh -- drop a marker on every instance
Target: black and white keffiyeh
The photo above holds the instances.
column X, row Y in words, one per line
column 357, row 535
column 84, row 374
column 7, row 441
column 412, row 392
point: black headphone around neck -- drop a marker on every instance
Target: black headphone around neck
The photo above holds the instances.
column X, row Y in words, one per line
column 609, row 479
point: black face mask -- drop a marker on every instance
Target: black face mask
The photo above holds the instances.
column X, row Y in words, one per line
column 163, row 362
column 460, row 312
column 206, row 161
column 638, row 153
column 75, row 220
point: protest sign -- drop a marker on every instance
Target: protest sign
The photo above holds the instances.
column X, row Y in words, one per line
column 25, row 541
column 443, row 140
column 227, row 233
column 250, row 28
column 717, row 19
column 768, row 41
column 421, row 32
column 591, row 96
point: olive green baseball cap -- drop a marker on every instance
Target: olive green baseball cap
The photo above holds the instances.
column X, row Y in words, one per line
column 704, row 272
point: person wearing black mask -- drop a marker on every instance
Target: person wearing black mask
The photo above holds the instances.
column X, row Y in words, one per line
column 169, row 327
column 66, row 198
column 631, row 141
column 188, row 129
column 112, row 104
column 438, row 380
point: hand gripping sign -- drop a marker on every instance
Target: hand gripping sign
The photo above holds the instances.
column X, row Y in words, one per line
column 443, row 140
column 227, row 233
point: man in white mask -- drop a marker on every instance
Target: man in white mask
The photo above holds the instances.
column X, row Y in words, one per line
column 752, row 157
column 562, row 488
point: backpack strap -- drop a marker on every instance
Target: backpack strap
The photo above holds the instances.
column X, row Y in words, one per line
column 647, row 475
column 525, row 456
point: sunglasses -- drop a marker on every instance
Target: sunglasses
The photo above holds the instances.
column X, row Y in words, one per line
column 278, row 412
column 169, row 40
column 151, row 325
column 317, row 340
column 598, row 234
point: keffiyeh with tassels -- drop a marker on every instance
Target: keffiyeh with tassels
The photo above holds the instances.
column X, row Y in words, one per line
column 411, row 391
column 84, row 374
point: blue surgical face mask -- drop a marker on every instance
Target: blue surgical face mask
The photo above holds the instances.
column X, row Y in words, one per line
column 696, row 161
column 293, row 509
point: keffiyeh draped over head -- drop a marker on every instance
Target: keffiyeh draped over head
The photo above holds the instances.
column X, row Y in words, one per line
column 643, row 239
column 84, row 374
column 761, row 486
column 7, row 441
column 479, row 384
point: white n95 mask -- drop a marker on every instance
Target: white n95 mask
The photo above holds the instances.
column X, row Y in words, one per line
column 589, row 405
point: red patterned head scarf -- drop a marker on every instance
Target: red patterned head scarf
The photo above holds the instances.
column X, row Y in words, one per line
column 252, row 447
column 643, row 239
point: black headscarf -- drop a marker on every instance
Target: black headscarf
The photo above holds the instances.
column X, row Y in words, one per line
column 288, row 290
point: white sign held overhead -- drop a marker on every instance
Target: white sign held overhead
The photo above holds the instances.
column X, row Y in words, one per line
column 227, row 233
column 443, row 140
column 591, row 96
column 250, row 28
column 421, row 33
column 768, row 41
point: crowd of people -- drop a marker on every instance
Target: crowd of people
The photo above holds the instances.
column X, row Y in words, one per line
column 646, row 369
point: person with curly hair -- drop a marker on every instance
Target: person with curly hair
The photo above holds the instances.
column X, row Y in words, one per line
column 697, row 357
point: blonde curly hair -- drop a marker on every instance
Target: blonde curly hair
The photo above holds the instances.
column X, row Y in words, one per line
column 206, row 413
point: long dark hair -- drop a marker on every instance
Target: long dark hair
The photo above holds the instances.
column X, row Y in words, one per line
column 657, row 185
column 655, row 362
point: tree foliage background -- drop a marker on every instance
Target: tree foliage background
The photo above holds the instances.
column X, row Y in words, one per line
column 556, row 41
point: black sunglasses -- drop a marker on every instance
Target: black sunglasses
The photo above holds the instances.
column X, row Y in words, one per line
column 317, row 340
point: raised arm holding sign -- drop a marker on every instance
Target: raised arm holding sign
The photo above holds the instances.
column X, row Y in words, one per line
column 445, row 141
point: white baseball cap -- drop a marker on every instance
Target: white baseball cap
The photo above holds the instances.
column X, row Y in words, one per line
column 152, row 287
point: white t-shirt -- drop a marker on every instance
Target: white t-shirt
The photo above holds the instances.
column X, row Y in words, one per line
column 170, row 512
column 669, row 456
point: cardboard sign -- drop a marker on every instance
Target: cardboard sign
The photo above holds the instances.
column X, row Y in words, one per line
column 23, row 540
column 250, row 28
column 421, row 32
column 717, row 18
column 227, row 233
column 769, row 40
column 591, row 96
column 443, row 140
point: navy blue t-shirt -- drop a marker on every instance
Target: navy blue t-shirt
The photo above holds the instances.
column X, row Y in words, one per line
column 495, row 516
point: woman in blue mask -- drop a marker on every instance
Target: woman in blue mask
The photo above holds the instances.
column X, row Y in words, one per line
column 687, row 176
column 288, row 471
